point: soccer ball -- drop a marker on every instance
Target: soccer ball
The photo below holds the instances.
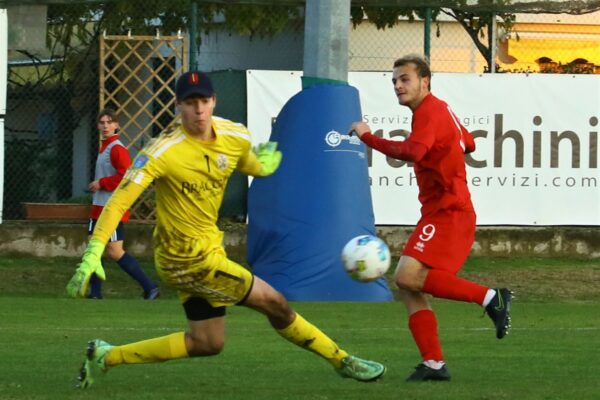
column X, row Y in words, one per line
column 366, row 258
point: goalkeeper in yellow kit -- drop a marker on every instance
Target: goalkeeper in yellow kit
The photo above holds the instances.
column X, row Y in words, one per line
column 189, row 166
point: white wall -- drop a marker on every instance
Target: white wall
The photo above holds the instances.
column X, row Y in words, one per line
column 375, row 50
column 370, row 49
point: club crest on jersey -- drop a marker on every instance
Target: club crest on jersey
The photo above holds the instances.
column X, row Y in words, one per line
column 222, row 162
column 140, row 161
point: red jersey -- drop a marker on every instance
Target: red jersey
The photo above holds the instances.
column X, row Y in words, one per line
column 436, row 145
column 441, row 173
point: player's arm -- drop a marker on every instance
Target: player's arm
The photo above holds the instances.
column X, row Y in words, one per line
column 131, row 187
column 260, row 161
column 406, row 150
column 468, row 140
column 120, row 160
column 121, row 200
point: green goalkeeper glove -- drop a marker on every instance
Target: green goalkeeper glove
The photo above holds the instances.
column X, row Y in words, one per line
column 269, row 157
column 90, row 263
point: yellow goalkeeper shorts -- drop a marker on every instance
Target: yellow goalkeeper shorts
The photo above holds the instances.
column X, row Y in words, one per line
column 212, row 276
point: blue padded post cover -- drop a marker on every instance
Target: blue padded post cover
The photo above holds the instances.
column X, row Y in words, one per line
column 301, row 217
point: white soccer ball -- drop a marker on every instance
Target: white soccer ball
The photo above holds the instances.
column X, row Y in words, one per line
column 366, row 258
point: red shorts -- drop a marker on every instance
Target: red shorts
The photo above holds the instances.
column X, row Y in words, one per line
column 443, row 239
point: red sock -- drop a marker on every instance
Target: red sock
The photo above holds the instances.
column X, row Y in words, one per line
column 448, row 286
column 423, row 326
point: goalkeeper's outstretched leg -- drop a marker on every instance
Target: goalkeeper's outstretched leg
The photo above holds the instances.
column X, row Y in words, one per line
column 297, row 330
column 206, row 338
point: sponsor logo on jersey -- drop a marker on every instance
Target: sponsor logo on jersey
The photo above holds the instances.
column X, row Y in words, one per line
column 419, row 246
column 203, row 189
column 140, row 161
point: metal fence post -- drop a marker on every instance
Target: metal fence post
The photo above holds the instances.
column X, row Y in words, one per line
column 193, row 33
column 492, row 33
column 427, row 34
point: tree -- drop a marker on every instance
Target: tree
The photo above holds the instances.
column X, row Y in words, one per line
column 476, row 18
column 477, row 21
column 479, row 25
column 64, row 80
column 121, row 16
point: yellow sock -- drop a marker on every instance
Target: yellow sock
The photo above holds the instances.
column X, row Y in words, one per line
column 302, row 333
column 159, row 349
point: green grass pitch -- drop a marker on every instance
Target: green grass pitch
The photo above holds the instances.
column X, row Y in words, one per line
column 551, row 352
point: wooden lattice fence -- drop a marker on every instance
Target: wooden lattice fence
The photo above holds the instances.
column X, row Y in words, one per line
column 137, row 79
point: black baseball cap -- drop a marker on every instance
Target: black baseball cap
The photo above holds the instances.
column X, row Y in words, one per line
column 193, row 83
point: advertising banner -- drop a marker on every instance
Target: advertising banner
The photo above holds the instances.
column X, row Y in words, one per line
column 537, row 155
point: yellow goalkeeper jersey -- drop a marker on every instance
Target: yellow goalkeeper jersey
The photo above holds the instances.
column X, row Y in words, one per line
column 189, row 179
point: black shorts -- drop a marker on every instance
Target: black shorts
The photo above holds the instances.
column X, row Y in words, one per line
column 198, row 309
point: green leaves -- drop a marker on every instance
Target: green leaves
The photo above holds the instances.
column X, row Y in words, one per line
column 262, row 21
column 383, row 17
column 77, row 21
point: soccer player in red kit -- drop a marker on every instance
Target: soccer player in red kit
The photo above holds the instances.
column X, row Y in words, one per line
column 443, row 237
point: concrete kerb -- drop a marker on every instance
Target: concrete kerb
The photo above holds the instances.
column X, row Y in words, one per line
column 50, row 239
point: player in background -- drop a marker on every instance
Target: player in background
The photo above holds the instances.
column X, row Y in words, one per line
column 189, row 167
column 442, row 240
column 111, row 164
